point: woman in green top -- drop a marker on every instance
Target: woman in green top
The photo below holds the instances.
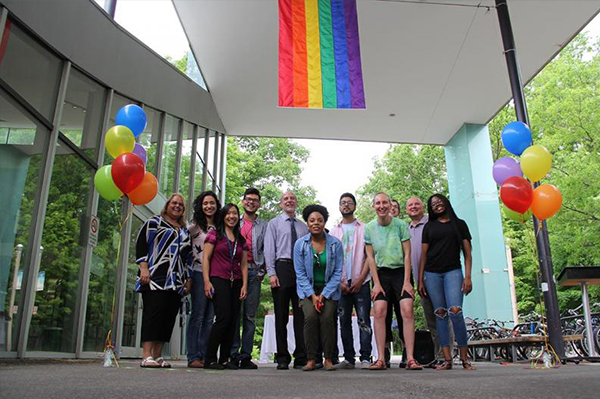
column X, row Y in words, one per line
column 318, row 260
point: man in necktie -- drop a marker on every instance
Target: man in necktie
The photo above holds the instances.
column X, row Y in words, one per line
column 282, row 233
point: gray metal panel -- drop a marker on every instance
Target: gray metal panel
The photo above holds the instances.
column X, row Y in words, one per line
column 80, row 31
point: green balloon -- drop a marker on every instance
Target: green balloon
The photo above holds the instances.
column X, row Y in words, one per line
column 105, row 185
column 516, row 216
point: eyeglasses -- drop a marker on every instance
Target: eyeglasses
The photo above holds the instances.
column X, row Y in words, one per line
column 317, row 259
column 346, row 203
column 252, row 200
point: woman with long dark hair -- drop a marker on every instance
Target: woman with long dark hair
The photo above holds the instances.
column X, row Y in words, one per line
column 225, row 265
column 441, row 276
column 206, row 208
column 163, row 254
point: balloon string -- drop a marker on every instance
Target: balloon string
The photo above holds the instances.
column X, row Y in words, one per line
column 122, row 222
column 540, row 227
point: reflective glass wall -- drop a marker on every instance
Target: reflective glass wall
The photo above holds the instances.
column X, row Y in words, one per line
column 59, row 286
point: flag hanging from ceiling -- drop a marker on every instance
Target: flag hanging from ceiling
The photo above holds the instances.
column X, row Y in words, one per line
column 319, row 55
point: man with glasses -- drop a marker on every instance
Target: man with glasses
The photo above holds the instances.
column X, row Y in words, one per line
column 282, row 233
column 253, row 229
column 355, row 285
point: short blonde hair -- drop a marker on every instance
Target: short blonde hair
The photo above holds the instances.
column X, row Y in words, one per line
column 163, row 213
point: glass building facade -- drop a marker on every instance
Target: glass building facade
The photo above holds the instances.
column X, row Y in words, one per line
column 60, row 291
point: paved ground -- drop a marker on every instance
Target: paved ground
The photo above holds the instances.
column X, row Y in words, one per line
column 88, row 379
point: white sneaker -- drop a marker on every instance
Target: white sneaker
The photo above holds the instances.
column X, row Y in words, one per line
column 344, row 365
column 365, row 364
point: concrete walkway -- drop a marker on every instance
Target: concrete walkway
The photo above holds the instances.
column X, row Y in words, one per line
column 88, row 379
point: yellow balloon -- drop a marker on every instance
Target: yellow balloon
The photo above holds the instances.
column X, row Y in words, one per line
column 119, row 140
column 536, row 162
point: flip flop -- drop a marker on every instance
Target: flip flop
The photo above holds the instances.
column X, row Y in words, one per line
column 149, row 362
column 163, row 363
column 413, row 365
column 378, row 365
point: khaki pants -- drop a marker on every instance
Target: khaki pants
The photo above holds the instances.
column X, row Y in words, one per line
column 319, row 326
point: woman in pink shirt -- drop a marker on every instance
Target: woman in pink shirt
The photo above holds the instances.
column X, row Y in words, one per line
column 225, row 282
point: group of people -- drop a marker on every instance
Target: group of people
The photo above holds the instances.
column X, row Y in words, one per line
column 322, row 276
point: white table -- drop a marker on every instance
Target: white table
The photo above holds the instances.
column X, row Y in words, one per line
column 269, row 343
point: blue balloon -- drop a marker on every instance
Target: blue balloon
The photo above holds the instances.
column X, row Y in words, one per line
column 516, row 137
column 133, row 117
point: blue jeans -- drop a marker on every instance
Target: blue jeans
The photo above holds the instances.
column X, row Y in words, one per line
column 248, row 312
column 201, row 320
column 362, row 301
column 445, row 291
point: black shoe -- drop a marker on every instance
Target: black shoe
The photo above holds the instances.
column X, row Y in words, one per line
column 214, row 366
column 318, row 366
column 299, row 364
column 283, row 366
column 402, row 364
column 230, row 366
column 247, row 364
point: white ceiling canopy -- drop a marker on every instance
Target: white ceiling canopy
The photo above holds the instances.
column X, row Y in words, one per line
column 428, row 66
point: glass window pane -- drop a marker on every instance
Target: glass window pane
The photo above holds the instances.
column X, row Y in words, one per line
column 149, row 138
column 211, row 157
column 30, row 69
column 103, row 268
column 83, row 112
column 167, row 172
column 169, row 42
column 132, row 298
column 186, row 160
column 22, row 145
column 52, row 324
column 199, row 162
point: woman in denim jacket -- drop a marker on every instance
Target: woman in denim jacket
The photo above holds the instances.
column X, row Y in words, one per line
column 318, row 260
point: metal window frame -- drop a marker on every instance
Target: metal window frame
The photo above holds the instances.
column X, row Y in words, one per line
column 205, row 160
column 92, row 209
column 178, row 155
column 192, row 177
column 215, row 163
column 27, row 301
column 223, row 168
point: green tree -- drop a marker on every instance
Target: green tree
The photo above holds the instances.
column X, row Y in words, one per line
column 273, row 165
column 404, row 171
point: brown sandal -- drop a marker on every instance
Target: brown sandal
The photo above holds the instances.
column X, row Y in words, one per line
column 378, row 365
column 413, row 365
column 446, row 365
column 467, row 365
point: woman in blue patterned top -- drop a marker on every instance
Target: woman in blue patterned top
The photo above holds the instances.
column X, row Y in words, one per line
column 164, row 253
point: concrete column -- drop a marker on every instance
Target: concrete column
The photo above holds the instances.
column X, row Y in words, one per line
column 474, row 197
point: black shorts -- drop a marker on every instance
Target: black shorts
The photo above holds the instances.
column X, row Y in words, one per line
column 392, row 280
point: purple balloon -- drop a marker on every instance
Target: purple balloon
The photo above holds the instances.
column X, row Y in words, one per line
column 140, row 152
column 504, row 168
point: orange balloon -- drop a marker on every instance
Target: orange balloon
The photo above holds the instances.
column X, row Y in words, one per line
column 547, row 200
column 145, row 192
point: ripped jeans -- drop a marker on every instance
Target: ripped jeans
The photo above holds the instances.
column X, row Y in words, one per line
column 445, row 291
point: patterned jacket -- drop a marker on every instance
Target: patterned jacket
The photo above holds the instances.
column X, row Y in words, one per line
column 167, row 251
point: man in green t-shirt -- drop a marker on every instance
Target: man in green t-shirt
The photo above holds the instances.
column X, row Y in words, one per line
column 387, row 244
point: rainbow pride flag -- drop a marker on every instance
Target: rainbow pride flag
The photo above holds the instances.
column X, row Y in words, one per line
column 319, row 55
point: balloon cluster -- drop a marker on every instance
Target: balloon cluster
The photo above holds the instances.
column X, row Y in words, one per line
column 127, row 174
column 519, row 197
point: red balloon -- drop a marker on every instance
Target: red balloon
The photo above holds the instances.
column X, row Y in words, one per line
column 128, row 171
column 517, row 194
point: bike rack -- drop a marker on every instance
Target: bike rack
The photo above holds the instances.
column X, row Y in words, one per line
column 583, row 276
